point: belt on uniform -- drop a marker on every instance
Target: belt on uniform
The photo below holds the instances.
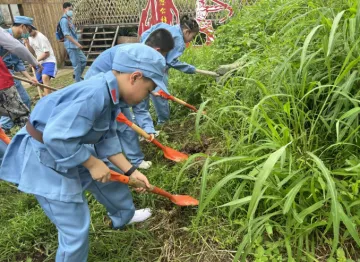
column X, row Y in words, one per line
column 34, row 133
column 12, row 67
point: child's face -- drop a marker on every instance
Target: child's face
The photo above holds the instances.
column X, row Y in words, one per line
column 134, row 87
column 188, row 35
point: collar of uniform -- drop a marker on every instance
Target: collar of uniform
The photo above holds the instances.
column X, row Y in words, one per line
column 112, row 86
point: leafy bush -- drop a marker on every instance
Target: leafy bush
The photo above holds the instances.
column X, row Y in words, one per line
column 288, row 117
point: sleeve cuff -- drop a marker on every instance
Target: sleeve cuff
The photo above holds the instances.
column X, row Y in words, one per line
column 149, row 130
column 108, row 147
column 76, row 159
column 192, row 70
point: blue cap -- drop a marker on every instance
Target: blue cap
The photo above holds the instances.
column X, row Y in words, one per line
column 139, row 57
column 24, row 20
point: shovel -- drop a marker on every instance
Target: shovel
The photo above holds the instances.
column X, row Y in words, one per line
column 30, row 82
column 177, row 100
column 169, row 153
column 180, row 200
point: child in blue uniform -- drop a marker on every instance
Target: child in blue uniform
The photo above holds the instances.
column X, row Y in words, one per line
column 183, row 33
column 162, row 41
column 51, row 159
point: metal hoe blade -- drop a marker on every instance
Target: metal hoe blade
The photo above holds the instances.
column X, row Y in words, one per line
column 184, row 200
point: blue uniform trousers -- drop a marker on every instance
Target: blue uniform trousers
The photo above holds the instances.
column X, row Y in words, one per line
column 162, row 109
column 72, row 220
column 78, row 61
column 129, row 140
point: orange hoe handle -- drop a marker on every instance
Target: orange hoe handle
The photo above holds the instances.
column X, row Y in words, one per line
column 30, row 82
column 177, row 100
column 123, row 119
column 169, row 153
column 180, row 200
column 138, row 184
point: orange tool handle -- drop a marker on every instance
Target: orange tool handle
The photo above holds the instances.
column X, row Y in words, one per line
column 158, row 144
column 122, row 118
column 115, row 176
column 30, row 82
column 161, row 192
column 119, row 177
column 177, row 100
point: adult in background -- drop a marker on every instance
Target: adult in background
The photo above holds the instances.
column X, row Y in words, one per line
column 40, row 45
column 19, row 30
column 10, row 102
column 71, row 43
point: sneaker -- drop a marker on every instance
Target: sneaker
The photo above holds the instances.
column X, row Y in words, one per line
column 140, row 215
column 80, row 77
column 145, row 164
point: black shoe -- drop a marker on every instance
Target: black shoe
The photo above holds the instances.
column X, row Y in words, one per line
column 80, row 77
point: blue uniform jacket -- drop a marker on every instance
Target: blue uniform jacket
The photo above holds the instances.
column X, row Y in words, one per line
column 11, row 60
column 83, row 113
column 179, row 48
column 68, row 28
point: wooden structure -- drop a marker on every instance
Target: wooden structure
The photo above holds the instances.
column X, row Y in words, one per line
column 46, row 15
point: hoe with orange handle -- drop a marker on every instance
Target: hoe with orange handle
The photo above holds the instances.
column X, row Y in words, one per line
column 169, row 153
column 180, row 200
column 177, row 100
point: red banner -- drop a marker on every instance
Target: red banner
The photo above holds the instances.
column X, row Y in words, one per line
column 202, row 11
column 158, row 11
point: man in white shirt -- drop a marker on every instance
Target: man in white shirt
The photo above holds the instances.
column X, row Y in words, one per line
column 40, row 45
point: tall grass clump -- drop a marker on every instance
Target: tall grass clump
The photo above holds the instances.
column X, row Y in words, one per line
column 287, row 182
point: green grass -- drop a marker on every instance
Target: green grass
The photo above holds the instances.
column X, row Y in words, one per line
column 275, row 160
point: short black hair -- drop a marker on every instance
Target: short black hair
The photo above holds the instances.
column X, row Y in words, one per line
column 162, row 39
column 67, row 4
column 187, row 22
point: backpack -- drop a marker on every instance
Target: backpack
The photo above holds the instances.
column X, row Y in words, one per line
column 59, row 33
